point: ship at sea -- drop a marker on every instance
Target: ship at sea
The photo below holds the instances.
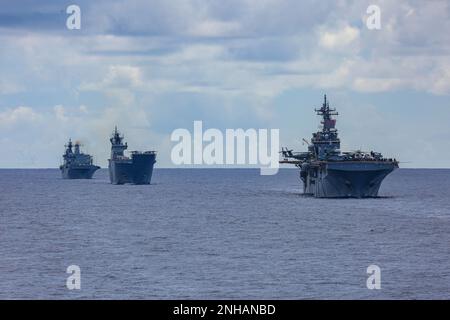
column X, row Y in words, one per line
column 326, row 172
column 136, row 169
column 77, row 165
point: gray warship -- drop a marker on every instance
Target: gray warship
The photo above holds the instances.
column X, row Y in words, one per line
column 135, row 170
column 326, row 172
column 77, row 165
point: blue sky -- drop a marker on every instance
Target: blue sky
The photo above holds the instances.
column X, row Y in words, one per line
column 153, row 66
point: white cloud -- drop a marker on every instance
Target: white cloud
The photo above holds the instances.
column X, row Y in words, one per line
column 18, row 115
column 214, row 28
column 377, row 84
column 8, row 87
column 340, row 38
column 83, row 108
column 118, row 76
column 60, row 113
column 441, row 83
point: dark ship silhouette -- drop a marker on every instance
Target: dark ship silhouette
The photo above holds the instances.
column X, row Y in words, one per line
column 326, row 172
column 135, row 170
column 77, row 165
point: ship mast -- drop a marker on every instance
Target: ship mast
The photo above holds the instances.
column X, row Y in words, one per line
column 326, row 112
column 77, row 147
column 69, row 146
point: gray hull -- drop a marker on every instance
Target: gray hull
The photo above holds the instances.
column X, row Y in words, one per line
column 345, row 179
column 78, row 172
column 137, row 170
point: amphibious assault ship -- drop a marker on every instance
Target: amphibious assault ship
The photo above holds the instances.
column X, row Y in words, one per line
column 135, row 170
column 326, row 172
column 77, row 165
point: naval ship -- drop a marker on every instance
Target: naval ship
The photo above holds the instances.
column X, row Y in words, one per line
column 77, row 165
column 135, row 170
column 326, row 172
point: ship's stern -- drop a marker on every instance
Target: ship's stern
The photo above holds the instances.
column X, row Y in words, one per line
column 135, row 170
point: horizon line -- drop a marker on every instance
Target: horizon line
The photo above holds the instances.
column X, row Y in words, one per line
column 256, row 168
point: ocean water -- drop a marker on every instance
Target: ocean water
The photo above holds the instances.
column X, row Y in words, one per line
column 221, row 234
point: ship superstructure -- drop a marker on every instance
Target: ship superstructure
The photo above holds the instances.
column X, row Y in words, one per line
column 137, row 169
column 77, row 165
column 327, row 172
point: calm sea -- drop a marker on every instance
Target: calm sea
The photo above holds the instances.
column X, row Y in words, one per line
column 221, row 234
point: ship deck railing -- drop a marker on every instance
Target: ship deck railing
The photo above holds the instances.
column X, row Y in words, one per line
column 143, row 152
column 340, row 160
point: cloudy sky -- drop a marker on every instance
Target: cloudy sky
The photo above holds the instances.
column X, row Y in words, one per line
column 154, row 66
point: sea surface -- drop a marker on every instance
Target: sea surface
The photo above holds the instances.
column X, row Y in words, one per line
column 221, row 234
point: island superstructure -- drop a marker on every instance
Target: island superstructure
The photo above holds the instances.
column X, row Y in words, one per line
column 326, row 172
column 136, row 169
column 77, row 165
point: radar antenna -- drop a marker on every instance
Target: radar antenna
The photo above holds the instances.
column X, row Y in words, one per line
column 326, row 112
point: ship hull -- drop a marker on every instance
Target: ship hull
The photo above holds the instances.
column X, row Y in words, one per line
column 79, row 172
column 137, row 170
column 346, row 179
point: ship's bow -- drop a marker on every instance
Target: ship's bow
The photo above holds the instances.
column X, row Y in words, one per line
column 353, row 179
